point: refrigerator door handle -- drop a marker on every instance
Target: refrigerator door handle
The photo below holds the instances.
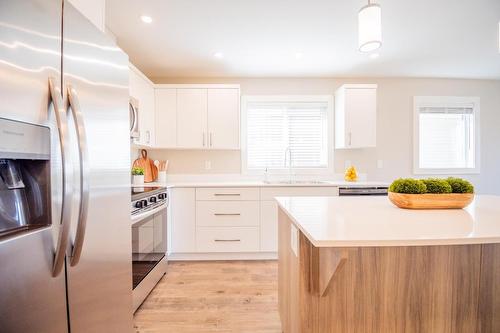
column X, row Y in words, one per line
column 74, row 105
column 62, row 128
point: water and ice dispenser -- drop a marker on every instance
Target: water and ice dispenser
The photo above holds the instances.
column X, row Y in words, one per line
column 24, row 177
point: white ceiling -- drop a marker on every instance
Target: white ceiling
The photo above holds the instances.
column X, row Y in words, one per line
column 260, row 38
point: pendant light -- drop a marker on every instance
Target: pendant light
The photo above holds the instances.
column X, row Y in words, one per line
column 370, row 27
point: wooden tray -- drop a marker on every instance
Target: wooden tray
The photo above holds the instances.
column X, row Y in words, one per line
column 431, row 201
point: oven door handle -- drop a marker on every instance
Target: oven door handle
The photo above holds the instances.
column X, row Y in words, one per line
column 81, row 228
column 62, row 129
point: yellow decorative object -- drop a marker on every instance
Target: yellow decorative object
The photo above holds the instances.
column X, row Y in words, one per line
column 350, row 174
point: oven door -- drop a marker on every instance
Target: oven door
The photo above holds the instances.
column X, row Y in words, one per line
column 149, row 245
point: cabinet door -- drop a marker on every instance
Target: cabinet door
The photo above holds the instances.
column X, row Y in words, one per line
column 269, row 226
column 224, row 118
column 181, row 220
column 192, row 118
column 166, row 117
column 360, row 117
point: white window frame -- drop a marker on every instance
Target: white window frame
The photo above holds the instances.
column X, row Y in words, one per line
column 246, row 99
column 445, row 101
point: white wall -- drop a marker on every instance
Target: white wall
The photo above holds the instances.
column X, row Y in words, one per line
column 394, row 126
column 94, row 10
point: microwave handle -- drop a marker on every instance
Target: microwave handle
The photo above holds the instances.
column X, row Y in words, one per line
column 134, row 118
column 62, row 129
column 76, row 111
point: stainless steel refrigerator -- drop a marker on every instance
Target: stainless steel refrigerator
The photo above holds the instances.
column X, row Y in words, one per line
column 65, row 247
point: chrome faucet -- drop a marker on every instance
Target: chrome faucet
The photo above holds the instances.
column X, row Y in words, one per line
column 289, row 150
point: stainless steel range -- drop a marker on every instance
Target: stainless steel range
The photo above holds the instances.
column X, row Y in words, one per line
column 149, row 240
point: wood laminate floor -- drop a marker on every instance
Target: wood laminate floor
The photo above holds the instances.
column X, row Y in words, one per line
column 220, row 296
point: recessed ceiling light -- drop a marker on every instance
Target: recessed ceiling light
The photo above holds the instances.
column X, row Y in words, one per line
column 146, row 19
column 298, row 55
column 219, row 55
column 374, row 55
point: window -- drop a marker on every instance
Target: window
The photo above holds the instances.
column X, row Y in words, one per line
column 279, row 130
column 446, row 135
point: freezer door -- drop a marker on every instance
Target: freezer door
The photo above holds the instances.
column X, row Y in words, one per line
column 95, row 84
column 31, row 299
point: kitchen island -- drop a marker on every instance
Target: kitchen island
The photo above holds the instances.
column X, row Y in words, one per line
column 359, row 264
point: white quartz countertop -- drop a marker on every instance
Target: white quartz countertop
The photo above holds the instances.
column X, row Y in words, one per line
column 375, row 221
column 243, row 183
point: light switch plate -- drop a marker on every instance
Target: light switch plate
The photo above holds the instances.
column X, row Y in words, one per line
column 294, row 239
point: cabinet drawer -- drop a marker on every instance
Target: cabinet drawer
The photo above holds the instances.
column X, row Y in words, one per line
column 228, row 193
column 269, row 193
column 227, row 213
column 227, row 239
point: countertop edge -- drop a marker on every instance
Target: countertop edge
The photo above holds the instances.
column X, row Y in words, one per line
column 258, row 184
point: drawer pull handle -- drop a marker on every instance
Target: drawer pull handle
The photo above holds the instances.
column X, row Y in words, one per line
column 227, row 194
column 227, row 214
column 227, row 240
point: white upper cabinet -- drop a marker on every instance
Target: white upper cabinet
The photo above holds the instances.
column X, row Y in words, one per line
column 192, row 118
column 94, row 10
column 143, row 91
column 198, row 116
column 166, row 118
column 224, row 118
column 356, row 116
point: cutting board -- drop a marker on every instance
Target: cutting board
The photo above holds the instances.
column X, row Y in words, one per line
column 150, row 170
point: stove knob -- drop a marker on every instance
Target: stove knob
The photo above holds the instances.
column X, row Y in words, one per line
column 162, row 196
column 138, row 204
column 152, row 199
column 144, row 203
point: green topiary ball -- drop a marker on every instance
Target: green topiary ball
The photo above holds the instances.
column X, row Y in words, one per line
column 408, row 186
column 437, row 186
column 459, row 185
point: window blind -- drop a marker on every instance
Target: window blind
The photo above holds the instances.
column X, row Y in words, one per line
column 446, row 137
column 275, row 127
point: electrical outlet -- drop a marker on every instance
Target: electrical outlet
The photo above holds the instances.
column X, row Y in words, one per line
column 380, row 164
column 208, row 165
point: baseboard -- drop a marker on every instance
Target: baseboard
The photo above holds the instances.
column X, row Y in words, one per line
column 223, row 256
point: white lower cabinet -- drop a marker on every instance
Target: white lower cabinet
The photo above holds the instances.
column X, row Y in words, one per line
column 227, row 221
column 182, row 220
column 269, row 226
column 227, row 239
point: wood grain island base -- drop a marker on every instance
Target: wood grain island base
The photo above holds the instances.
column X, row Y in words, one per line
column 426, row 289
